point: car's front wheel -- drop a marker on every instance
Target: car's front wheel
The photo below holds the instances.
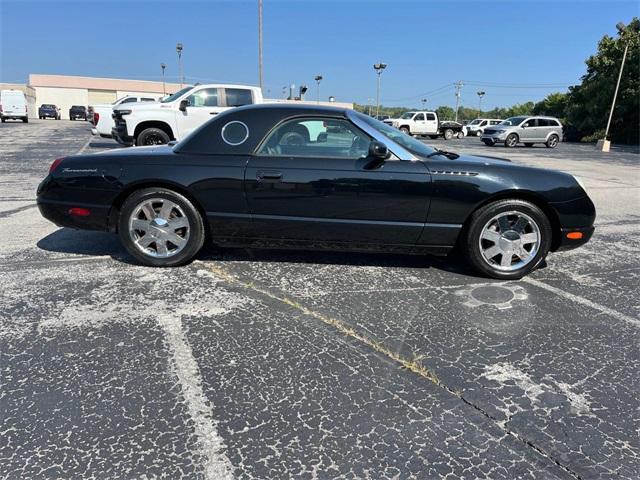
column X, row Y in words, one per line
column 448, row 134
column 160, row 227
column 152, row 136
column 460, row 135
column 552, row 142
column 405, row 130
column 507, row 239
column 511, row 140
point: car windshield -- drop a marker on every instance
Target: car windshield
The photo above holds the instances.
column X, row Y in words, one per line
column 475, row 122
column 414, row 146
column 513, row 121
column 408, row 115
column 176, row 95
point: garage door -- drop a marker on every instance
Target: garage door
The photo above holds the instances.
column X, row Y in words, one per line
column 101, row 96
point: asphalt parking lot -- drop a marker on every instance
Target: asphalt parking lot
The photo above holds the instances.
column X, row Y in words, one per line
column 271, row 364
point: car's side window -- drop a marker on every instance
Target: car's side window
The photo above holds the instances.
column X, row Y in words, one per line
column 530, row 123
column 431, row 116
column 543, row 122
column 419, row 117
column 236, row 97
column 144, row 99
column 207, row 97
column 483, row 123
column 316, row 137
column 130, row 100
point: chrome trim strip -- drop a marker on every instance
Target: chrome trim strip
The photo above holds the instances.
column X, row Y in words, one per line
column 395, row 148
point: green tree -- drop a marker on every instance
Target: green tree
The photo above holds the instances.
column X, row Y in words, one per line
column 589, row 103
column 445, row 112
column 553, row 105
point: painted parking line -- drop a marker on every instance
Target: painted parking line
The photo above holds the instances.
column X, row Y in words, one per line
column 583, row 301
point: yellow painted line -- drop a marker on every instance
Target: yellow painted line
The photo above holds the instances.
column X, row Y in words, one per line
column 412, row 364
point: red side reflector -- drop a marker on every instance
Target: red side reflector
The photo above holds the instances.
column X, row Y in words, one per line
column 574, row 235
column 79, row 212
column 55, row 164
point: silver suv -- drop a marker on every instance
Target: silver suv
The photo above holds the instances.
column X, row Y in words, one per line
column 524, row 129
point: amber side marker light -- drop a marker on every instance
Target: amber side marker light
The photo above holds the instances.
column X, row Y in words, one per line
column 574, row 235
column 79, row 212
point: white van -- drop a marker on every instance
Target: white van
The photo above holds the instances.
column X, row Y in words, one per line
column 13, row 104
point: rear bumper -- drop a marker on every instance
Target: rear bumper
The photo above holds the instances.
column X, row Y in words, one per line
column 120, row 135
column 59, row 213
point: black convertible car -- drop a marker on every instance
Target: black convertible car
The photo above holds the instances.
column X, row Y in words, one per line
column 314, row 177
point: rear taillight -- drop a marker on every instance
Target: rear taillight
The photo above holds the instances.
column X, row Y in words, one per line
column 0, row 107
column 56, row 163
column 96, row 117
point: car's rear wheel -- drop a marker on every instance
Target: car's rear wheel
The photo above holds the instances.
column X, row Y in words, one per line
column 528, row 144
column 448, row 134
column 160, row 227
column 479, row 133
column 552, row 142
column 488, row 142
column 460, row 135
column 152, row 136
column 511, row 140
column 507, row 239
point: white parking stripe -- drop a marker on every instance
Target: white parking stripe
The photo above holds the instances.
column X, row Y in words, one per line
column 583, row 301
column 217, row 465
column 84, row 147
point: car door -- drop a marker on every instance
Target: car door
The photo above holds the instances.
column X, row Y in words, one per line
column 431, row 124
column 202, row 105
column 543, row 129
column 419, row 124
column 528, row 131
column 310, row 181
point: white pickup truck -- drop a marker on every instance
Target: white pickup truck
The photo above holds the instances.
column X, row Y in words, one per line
column 176, row 116
column 102, row 114
column 426, row 123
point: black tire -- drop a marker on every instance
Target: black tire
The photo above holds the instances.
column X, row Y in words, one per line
column 152, row 136
column 552, row 141
column 511, row 141
column 25, row 120
column 195, row 225
column 488, row 142
column 405, row 130
column 4, row 120
column 433, row 137
column 529, row 145
column 470, row 242
column 448, row 134
column 479, row 133
column 460, row 135
column 71, row 118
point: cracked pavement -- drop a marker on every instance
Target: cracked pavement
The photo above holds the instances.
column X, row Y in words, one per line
column 272, row 364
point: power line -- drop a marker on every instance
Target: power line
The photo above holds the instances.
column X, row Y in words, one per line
column 425, row 94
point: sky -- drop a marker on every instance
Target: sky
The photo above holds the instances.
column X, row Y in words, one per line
column 514, row 51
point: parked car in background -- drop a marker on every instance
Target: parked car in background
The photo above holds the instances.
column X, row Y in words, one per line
column 101, row 116
column 382, row 118
column 315, row 177
column 173, row 118
column 13, row 105
column 426, row 123
column 525, row 129
column 48, row 110
column 477, row 126
column 78, row 112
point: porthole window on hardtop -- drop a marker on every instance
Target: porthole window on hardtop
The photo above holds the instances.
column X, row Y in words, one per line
column 235, row 133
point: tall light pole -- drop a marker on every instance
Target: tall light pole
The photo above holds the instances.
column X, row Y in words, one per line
column 424, row 103
column 179, row 52
column 164, row 89
column 480, row 95
column 260, row 42
column 458, row 88
column 606, row 143
column 378, row 67
column 318, row 79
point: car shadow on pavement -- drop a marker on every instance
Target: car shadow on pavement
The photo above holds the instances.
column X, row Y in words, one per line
column 106, row 145
column 97, row 243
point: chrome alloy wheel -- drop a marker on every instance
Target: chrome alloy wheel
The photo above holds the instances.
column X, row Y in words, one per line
column 159, row 228
column 509, row 241
column 512, row 140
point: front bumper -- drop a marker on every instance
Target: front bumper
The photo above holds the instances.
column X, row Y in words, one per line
column 568, row 243
column 494, row 137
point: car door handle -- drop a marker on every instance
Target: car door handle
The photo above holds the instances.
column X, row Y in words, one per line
column 269, row 176
column 213, row 113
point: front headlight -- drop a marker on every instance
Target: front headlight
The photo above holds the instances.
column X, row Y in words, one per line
column 124, row 112
column 500, row 131
column 580, row 182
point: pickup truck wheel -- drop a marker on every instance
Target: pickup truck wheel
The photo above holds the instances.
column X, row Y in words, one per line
column 152, row 136
column 507, row 239
column 160, row 227
column 460, row 135
column 511, row 141
column 448, row 134
column 405, row 130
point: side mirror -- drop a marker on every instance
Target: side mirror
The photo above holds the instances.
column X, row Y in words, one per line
column 183, row 105
column 378, row 153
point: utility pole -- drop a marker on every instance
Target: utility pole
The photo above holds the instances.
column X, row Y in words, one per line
column 164, row 89
column 260, row 42
column 318, row 79
column 606, row 144
column 458, row 88
column 378, row 67
column 480, row 95
column 179, row 51
column 424, row 103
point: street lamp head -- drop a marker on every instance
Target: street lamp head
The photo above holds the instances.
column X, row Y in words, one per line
column 163, row 66
column 318, row 78
column 379, row 67
column 179, row 48
column 480, row 93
